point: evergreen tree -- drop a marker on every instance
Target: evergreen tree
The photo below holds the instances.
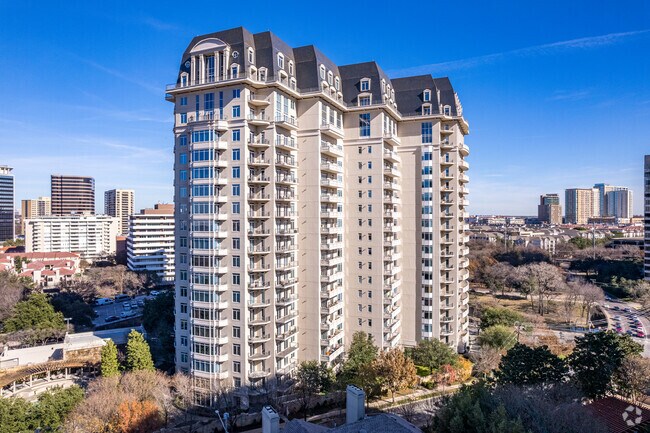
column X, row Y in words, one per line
column 524, row 365
column 35, row 313
column 138, row 355
column 433, row 354
column 110, row 366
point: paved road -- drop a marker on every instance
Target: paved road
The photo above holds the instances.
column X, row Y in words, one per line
column 625, row 321
column 116, row 309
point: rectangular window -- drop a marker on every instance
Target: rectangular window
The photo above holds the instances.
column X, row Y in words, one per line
column 236, row 208
column 364, row 124
column 182, row 175
column 236, row 172
column 183, row 117
column 236, row 349
column 208, row 102
column 365, row 85
column 236, row 93
column 236, row 296
column 183, row 101
column 236, row 243
column 236, row 111
column 236, row 135
column 236, row 314
column 427, row 132
column 236, row 155
column 182, row 140
column 236, row 332
column 202, row 135
column 236, row 189
column 364, row 100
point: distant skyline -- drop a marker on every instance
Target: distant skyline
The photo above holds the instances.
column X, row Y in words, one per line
column 556, row 93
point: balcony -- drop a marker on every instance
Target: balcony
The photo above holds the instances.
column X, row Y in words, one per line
column 286, row 214
column 463, row 165
column 259, row 321
column 286, row 334
column 287, row 350
column 329, row 198
column 286, row 180
column 258, row 101
column 286, row 122
column 258, row 120
column 286, row 300
column 463, row 149
column 285, row 196
column 259, row 338
column 285, row 317
column 285, row 249
column 258, row 267
column 331, row 167
column 285, row 162
column 259, row 374
column 331, row 230
column 285, row 283
column 330, row 277
column 330, row 182
column 259, row 179
column 463, row 178
column 286, row 143
column 392, row 138
column 259, row 162
column 259, row 214
column 220, row 123
column 285, row 231
column 332, row 214
column 258, row 303
column 331, row 130
column 391, row 171
column 259, row 197
column 331, row 149
column 333, row 352
column 331, row 245
column 259, row 285
column 258, row 356
column 391, row 155
column 287, row 369
column 258, row 142
column 259, row 231
column 446, row 144
column 328, row 292
column 285, row 266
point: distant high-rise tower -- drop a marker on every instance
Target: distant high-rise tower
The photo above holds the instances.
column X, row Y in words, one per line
column 72, row 195
column 120, row 203
column 35, row 208
column 7, row 219
column 549, row 210
column 619, row 203
column 580, row 205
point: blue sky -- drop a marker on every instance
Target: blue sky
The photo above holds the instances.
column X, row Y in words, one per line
column 556, row 93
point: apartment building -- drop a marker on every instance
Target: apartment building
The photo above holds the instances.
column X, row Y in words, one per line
column 72, row 195
column 7, row 223
column 549, row 210
column 615, row 201
column 34, row 208
column 119, row 203
column 581, row 204
column 150, row 243
column 311, row 201
column 90, row 236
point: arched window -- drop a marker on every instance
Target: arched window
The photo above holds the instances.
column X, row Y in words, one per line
column 290, row 67
column 251, row 56
column 322, row 72
column 234, row 70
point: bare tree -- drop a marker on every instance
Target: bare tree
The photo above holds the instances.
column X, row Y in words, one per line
column 540, row 280
column 13, row 290
column 589, row 296
column 570, row 297
column 633, row 377
column 486, row 360
column 498, row 277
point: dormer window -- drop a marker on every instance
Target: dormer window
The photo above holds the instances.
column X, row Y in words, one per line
column 251, row 56
column 290, row 68
column 364, row 100
column 330, row 78
column 322, row 72
column 280, row 61
column 337, row 84
column 365, row 85
column 427, row 96
column 383, row 86
column 234, row 70
column 262, row 73
column 447, row 110
column 426, row 110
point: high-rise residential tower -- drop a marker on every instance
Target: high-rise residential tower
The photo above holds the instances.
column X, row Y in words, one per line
column 581, row 204
column 549, row 210
column 7, row 221
column 150, row 243
column 614, row 201
column 72, row 195
column 34, row 208
column 119, row 203
column 312, row 201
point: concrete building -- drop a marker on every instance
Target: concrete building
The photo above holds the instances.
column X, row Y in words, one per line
column 34, row 208
column 646, row 214
column 619, row 203
column 150, row 243
column 90, row 236
column 119, row 203
column 7, row 224
column 72, row 195
column 549, row 210
column 581, row 204
column 312, row 201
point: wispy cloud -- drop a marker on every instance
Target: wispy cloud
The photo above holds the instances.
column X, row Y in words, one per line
column 562, row 95
column 535, row 50
column 157, row 24
column 153, row 89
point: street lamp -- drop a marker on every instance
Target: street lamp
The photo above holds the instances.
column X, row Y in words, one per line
column 226, row 415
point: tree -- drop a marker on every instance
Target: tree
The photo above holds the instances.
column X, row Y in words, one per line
column 54, row 405
column 588, row 295
column 492, row 316
column 497, row 337
column 543, row 280
column 596, row 357
column 110, row 365
column 74, row 306
column 13, row 289
column 524, row 365
column 358, row 367
column 137, row 417
column 158, row 321
column 632, row 378
column 312, row 378
column 433, row 354
column 14, row 415
column 35, row 313
column 396, row 371
column 497, row 277
column 138, row 354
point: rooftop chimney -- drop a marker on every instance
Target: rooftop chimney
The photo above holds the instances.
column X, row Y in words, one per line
column 355, row 405
column 270, row 420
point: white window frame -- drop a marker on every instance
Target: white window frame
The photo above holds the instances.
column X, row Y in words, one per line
column 251, row 56
column 290, row 67
column 337, row 83
column 280, row 60
column 427, row 95
column 322, row 72
column 330, row 78
column 365, row 82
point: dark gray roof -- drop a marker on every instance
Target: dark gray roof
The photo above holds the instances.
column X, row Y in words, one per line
column 307, row 60
column 300, row 426
column 382, row 423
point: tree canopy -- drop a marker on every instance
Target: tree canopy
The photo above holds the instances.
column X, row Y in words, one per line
column 138, row 355
column 524, row 365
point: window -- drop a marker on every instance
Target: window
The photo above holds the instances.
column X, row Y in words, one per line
column 236, row 349
column 365, row 85
column 337, row 83
column 236, row 93
column 236, row 261
column 184, row 341
column 236, row 208
column 251, row 56
column 236, row 296
column 182, row 140
column 236, row 314
column 236, row 226
column 208, row 101
column 369, row 165
column 427, row 132
column 236, row 332
column 236, row 155
column 290, row 68
column 236, row 243
column 236, row 111
column 364, row 124
column 236, row 189
column 369, row 149
column 426, row 96
column 426, row 110
column 183, row 117
column 330, row 78
column 369, row 179
column 182, row 175
column 322, row 72
column 236, row 135
column 236, row 172
column 183, row 356
column 280, row 61
column 183, row 101
column 364, row 100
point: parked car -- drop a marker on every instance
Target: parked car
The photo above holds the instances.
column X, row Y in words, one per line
column 134, row 304
column 154, row 293
column 640, row 334
column 119, row 298
column 103, row 301
column 109, row 319
column 140, row 303
column 126, row 305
